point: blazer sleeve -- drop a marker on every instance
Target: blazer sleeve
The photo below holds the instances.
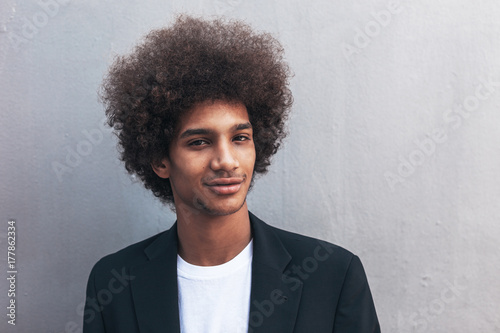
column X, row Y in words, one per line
column 356, row 310
column 92, row 317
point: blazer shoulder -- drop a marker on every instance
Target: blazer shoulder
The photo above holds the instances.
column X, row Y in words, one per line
column 129, row 256
column 300, row 246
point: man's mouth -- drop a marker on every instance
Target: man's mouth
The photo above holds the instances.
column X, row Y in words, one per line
column 225, row 186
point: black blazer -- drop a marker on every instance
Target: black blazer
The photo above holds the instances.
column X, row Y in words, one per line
column 299, row 284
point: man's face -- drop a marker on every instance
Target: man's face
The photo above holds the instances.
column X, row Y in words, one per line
column 211, row 159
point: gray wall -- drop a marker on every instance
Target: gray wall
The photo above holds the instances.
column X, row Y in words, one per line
column 393, row 151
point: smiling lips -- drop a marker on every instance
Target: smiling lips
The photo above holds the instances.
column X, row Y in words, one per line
column 225, row 186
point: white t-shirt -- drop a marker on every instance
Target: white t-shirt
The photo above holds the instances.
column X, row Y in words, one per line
column 215, row 298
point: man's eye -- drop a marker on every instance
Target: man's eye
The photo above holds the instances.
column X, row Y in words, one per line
column 198, row 143
column 241, row 138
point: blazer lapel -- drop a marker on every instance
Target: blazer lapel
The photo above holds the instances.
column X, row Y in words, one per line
column 274, row 298
column 154, row 290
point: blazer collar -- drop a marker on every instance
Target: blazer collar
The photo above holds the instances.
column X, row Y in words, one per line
column 274, row 298
column 154, row 290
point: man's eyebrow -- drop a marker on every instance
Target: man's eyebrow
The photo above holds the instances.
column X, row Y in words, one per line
column 205, row 131
column 195, row 131
column 243, row 126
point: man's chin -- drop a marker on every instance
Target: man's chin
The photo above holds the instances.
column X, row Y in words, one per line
column 219, row 211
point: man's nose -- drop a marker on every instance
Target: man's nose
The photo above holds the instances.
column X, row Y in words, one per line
column 224, row 157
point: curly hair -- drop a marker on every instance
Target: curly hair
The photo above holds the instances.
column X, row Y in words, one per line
column 193, row 61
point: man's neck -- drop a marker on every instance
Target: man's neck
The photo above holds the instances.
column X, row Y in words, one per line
column 206, row 240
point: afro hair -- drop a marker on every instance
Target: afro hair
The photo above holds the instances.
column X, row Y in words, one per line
column 190, row 62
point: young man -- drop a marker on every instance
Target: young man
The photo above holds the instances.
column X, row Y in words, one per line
column 199, row 109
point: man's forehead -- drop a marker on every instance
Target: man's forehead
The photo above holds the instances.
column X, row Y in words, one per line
column 214, row 116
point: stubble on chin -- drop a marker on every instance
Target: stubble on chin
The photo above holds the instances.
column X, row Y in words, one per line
column 216, row 212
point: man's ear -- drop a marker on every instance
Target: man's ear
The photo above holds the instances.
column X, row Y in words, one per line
column 161, row 168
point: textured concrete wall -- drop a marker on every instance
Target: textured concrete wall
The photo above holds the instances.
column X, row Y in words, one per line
column 393, row 151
